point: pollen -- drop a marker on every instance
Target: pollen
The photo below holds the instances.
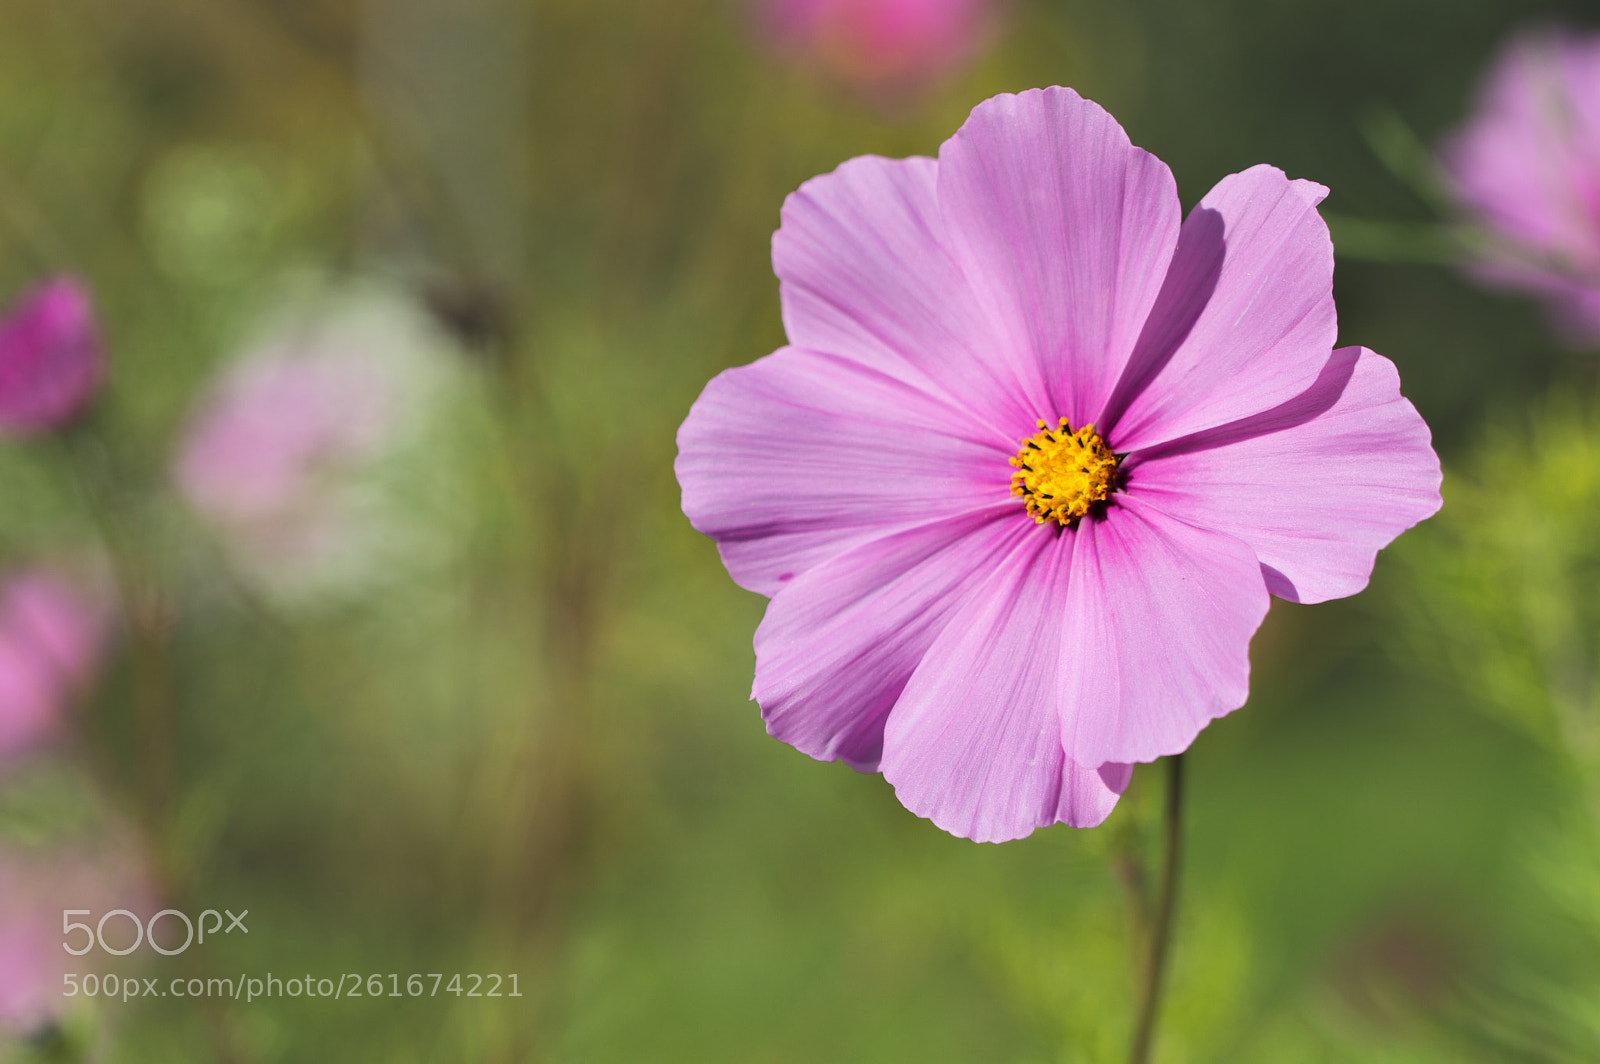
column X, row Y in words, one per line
column 1061, row 473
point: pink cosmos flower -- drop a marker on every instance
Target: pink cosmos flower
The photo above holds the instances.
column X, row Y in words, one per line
column 879, row 44
column 50, row 358
column 1526, row 167
column 52, row 631
column 1036, row 455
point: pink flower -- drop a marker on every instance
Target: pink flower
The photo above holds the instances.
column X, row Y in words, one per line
column 52, row 631
column 1526, row 167
column 35, row 887
column 50, row 358
column 880, row 44
column 278, row 427
column 1036, row 455
column 291, row 456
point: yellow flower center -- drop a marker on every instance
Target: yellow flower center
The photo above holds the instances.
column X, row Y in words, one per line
column 1062, row 473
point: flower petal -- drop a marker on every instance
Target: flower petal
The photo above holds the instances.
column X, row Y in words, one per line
column 839, row 642
column 1245, row 319
column 974, row 742
column 1316, row 486
column 1523, row 167
column 1066, row 230
column 1520, row 163
column 51, row 361
column 865, row 274
column 1159, row 616
column 800, row 455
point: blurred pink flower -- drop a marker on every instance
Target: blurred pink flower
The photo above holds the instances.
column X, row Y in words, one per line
column 50, row 358
column 273, row 442
column 34, row 889
column 276, row 424
column 52, row 632
column 1526, row 167
column 290, row 456
column 880, row 45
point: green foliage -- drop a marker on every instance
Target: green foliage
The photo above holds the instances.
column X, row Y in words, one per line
column 1506, row 592
column 1502, row 606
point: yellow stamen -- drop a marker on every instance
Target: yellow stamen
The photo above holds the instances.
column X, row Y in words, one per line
column 1062, row 473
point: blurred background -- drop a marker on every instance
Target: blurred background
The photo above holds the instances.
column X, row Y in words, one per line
column 369, row 607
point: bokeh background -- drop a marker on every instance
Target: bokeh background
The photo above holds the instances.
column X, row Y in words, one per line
column 412, row 654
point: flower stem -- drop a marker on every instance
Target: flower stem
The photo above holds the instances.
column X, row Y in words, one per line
column 1155, row 963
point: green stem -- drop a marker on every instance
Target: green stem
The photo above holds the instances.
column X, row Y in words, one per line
column 1161, row 931
column 103, row 489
